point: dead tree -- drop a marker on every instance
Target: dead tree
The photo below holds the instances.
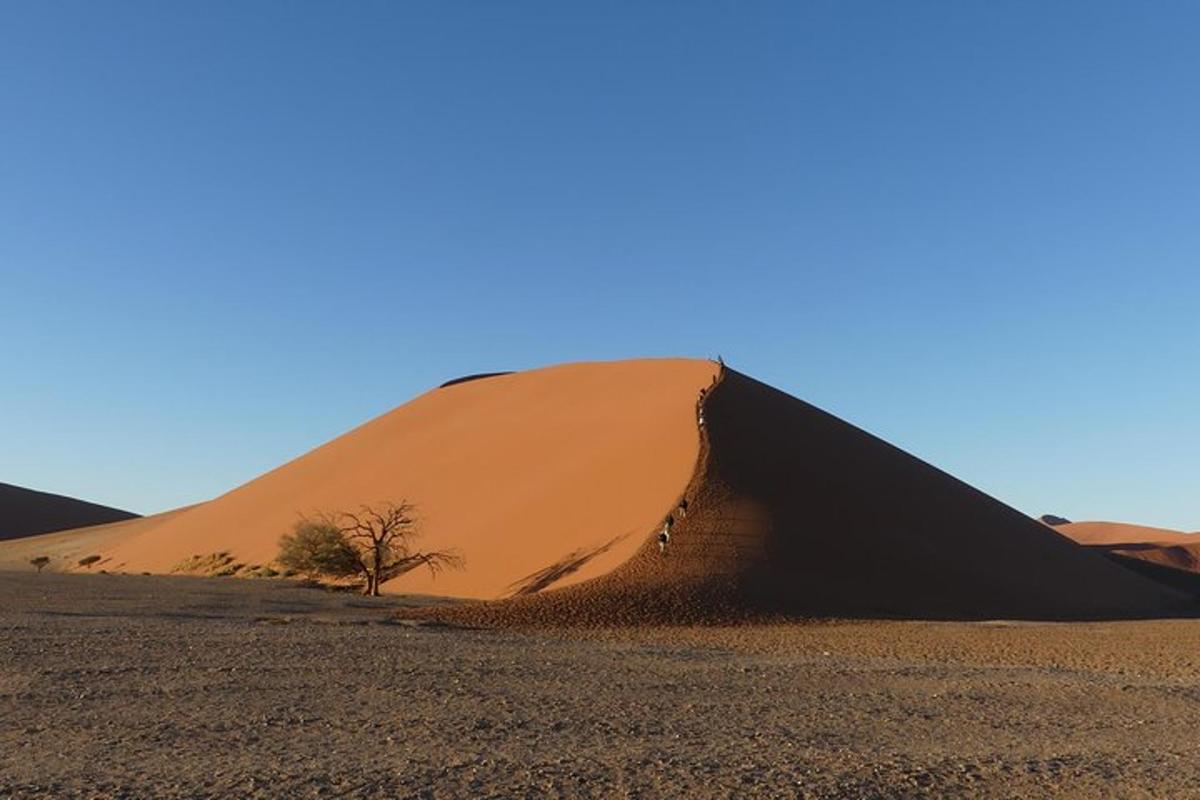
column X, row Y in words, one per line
column 383, row 536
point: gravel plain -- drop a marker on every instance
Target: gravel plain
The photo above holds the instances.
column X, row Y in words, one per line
column 137, row 687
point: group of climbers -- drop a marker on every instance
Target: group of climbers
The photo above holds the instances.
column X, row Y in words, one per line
column 664, row 535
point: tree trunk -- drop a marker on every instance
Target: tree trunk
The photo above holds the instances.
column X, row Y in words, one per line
column 378, row 566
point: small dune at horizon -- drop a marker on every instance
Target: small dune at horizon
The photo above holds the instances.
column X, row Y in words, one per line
column 29, row 512
column 1099, row 532
column 1162, row 546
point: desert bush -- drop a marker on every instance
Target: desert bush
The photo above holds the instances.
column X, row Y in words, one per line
column 317, row 547
column 40, row 562
column 211, row 564
column 87, row 561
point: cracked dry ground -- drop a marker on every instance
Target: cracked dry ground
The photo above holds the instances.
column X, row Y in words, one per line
column 115, row 686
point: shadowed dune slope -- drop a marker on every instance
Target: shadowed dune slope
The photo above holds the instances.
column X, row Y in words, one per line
column 27, row 512
column 538, row 478
column 1178, row 556
column 793, row 511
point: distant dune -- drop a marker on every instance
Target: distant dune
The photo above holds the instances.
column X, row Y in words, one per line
column 66, row 548
column 554, row 484
column 1111, row 533
column 1161, row 546
column 27, row 512
column 1122, row 533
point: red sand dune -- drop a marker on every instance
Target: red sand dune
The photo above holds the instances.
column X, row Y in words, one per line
column 1177, row 556
column 1111, row 533
column 1162, row 546
column 27, row 512
column 793, row 510
column 558, row 480
column 518, row 472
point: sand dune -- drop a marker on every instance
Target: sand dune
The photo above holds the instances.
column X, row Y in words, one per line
column 553, row 483
column 795, row 511
column 520, row 473
column 27, row 512
column 1179, row 556
column 1112, row 533
column 66, row 548
column 1161, row 546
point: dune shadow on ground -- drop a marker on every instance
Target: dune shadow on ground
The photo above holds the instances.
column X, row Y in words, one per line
column 548, row 576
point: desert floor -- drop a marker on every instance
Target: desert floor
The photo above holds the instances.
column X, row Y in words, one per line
column 121, row 686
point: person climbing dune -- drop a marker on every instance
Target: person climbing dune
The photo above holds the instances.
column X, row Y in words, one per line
column 664, row 536
column 683, row 507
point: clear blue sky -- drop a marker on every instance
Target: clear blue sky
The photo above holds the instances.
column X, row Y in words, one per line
column 230, row 231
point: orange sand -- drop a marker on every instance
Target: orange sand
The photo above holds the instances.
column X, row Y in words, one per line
column 1111, row 533
column 517, row 472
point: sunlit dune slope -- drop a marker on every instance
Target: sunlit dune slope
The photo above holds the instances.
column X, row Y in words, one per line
column 27, row 512
column 519, row 473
